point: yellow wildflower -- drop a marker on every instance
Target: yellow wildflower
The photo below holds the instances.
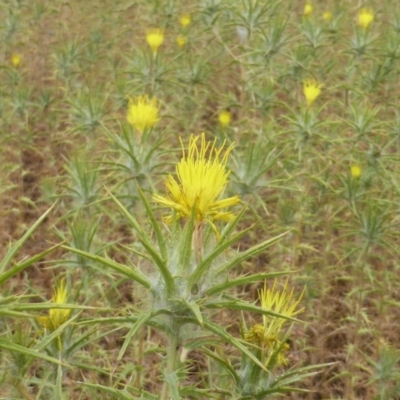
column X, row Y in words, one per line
column 365, row 17
column 185, row 20
column 201, row 181
column 311, row 90
column 224, row 118
column 268, row 335
column 16, row 60
column 181, row 40
column 57, row 316
column 155, row 38
column 308, row 9
column 355, row 171
column 143, row 113
column 327, row 15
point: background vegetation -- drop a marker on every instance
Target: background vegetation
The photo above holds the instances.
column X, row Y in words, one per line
column 327, row 173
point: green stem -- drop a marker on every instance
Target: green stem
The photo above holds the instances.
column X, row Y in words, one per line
column 58, row 388
column 172, row 360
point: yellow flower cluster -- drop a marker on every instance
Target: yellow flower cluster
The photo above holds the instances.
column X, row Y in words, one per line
column 143, row 113
column 224, row 118
column 155, row 38
column 365, row 17
column 268, row 335
column 57, row 316
column 201, row 181
column 311, row 90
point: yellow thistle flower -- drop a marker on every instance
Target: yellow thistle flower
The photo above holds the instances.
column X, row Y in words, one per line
column 143, row 113
column 185, row 20
column 16, row 60
column 365, row 17
column 308, row 9
column 268, row 335
column 327, row 15
column 201, row 181
column 57, row 316
column 355, row 171
column 181, row 40
column 311, row 90
column 155, row 38
column 224, row 118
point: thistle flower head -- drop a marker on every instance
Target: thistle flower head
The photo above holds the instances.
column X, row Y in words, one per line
column 355, row 171
column 308, row 9
column 181, row 40
column 365, row 17
column 311, row 90
column 143, row 113
column 185, row 20
column 155, row 38
column 224, row 118
column 327, row 15
column 268, row 336
column 16, row 60
column 201, row 180
column 57, row 316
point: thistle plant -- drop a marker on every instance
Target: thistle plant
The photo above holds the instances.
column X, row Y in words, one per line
column 191, row 265
column 137, row 143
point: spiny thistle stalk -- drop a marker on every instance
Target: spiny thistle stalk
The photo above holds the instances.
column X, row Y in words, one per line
column 201, row 181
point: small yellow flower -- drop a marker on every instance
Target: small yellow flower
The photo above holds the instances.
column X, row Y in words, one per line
column 155, row 38
column 143, row 113
column 365, row 17
column 308, row 9
column 57, row 316
column 201, row 181
column 224, row 118
column 268, row 336
column 185, row 20
column 16, row 60
column 311, row 90
column 327, row 15
column 181, row 40
column 355, row 171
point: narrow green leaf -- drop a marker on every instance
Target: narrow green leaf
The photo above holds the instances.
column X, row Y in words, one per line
column 231, row 226
column 117, row 394
column 138, row 324
column 123, row 269
column 205, row 264
column 252, row 252
column 223, row 363
column 21, row 266
column 194, row 307
column 185, row 247
column 239, row 305
column 13, row 347
column 244, row 280
column 154, row 224
column 145, row 240
column 233, row 341
column 17, row 246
